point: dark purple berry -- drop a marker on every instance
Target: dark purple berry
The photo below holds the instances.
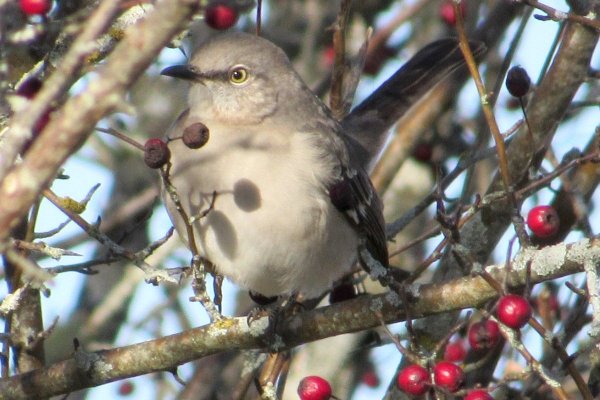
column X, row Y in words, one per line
column 517, row 81
column 196, row 135
column 156, row 153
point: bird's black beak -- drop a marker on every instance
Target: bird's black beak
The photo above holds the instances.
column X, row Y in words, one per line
column 184, row 72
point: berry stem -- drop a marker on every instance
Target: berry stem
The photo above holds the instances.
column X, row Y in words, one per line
column 122, row 136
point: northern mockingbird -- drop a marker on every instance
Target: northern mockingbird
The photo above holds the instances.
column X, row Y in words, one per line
column 281, row 190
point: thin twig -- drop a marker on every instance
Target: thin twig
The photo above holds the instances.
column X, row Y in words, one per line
column 560, row 16
column 152, row 274
column 490, row 119
column 121, row 136
column 513, row 338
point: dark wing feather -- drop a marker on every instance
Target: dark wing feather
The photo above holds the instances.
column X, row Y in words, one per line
column 354, row 195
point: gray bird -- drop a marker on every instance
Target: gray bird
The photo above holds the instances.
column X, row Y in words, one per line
column 280, row 190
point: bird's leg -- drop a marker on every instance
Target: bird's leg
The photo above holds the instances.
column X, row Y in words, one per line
column 265, row 307
column 277, row 309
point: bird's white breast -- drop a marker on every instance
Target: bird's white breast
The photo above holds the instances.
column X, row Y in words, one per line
column 272, row 229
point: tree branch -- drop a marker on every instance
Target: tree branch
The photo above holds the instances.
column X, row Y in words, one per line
column 365, row 312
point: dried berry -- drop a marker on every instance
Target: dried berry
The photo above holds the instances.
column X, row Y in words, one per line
column 156, row 153
column 196, row 135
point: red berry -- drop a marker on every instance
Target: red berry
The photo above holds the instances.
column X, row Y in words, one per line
column 220, row 16
column 513, row 311
column 446, row 11
column 448, row 375
column 156, row 153
column 314, row 388
column 478, row 394
column 370, row 378
column 414, row 380
column 484, row 334
column 196, row 135
column 543, row 221
column 455, row 351
column 35, row 7
column 517, row 81
column 126, row 388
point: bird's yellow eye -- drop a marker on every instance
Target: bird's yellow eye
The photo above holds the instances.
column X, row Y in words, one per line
column 238, row 75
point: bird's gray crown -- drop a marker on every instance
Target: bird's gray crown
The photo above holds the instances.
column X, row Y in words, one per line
column 224, row 51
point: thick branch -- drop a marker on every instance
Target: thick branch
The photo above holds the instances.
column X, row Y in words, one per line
column 365, row 312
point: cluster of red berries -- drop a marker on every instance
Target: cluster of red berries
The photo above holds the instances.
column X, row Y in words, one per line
column 512, row 310
column 416, row 380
